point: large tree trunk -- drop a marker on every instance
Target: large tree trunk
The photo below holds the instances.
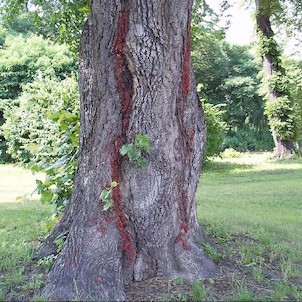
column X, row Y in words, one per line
column 283, row 148
column 135, row 78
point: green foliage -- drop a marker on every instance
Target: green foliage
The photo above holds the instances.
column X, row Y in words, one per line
column 136, row 152
column 216, row 128
column 47, row 109
column 60, row 20
column 249, row 139
column 268, row 46
column 230, row 153
column 21, row 58
column 282, row 117
column 203, row 16
column 44, row 131
column 4, row 156
column 239, row 91
column 228, row 75
column 279, row 82
column 199, row 293
column 210, row 62
column 21, row 24
column 294, row 72
column 106, row 195
column 283, row 109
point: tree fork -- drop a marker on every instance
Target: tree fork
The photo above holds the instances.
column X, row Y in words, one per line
column 135, row 78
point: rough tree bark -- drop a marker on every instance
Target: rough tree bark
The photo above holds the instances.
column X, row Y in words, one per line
column 135, row 78
column 283, row 148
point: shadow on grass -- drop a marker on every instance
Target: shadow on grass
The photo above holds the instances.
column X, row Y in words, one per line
column 291, row 166
column 288, row 161
column 224, row 167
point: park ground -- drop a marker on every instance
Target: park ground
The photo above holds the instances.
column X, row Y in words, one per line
column 250, row 205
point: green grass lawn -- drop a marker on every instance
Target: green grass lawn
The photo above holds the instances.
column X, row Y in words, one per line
column 250, row 206
column 253, row 195
column 15, row 183
column 23, row 224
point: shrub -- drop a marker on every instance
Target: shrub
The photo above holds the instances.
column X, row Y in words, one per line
column 249, row 139
column 230, row 153
column 43, row 131
column 216, row 129
column 21, row 57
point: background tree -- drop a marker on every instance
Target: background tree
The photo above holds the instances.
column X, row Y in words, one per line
column 248, row 126
column 228, row 75
column 280, row 107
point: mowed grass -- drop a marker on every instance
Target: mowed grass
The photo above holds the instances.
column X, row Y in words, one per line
column 23, row 225
column 250, row 206
column 253, row 194
column 16, row 183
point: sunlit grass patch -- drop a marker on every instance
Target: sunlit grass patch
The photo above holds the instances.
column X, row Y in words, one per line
column 23, row 225
column 16, row 182
column 252, row 206
column 264, row 196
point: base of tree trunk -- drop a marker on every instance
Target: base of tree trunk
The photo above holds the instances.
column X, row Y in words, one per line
column 49, row 247
column 92, row 277
column 284, row 149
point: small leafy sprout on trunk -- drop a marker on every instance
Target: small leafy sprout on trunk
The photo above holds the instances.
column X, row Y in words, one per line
column 60, row 240
column 106, row 195
column 135, row 152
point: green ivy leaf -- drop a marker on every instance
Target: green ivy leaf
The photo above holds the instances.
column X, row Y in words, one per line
column 142, row 141
column 114, row 184
column 107, row 205
column 134, row 154
column 142, row 162
column 125, row 149
column 46, row 196
column 105, row 195
column 74, row 139
column 54, row 116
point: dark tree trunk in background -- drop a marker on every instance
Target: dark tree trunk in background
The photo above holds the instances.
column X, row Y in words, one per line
column 135, row 78
column 283, row 148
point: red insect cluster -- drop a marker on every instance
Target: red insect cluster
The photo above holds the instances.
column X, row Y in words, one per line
column 185, row 65
column 189, row 135
column 124, row 87
column 122, row 75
